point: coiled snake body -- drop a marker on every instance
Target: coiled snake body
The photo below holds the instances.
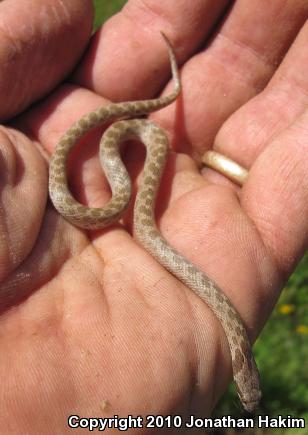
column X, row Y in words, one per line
column 245, row 372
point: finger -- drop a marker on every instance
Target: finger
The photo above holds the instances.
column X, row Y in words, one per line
column 40, row 42
column 127, row 59
column 276, row 195
column 248, row 131
column 49, row 120
column 23, row 172
column 270, row 130
column 236, row 66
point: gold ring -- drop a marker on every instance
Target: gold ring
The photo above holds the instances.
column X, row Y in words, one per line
column 225, row 166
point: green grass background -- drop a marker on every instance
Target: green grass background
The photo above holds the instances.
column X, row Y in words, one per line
column 105, row 8
column 282, row 349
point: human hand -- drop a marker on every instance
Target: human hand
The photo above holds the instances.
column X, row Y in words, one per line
column 93, row 317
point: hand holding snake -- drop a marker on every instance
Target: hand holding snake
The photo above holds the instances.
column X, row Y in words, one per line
column 244, row 368
column 75, row 301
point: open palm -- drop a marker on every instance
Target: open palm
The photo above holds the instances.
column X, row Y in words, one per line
column 91, row 324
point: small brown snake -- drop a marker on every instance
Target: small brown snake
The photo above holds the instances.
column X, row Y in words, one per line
column 245, row 372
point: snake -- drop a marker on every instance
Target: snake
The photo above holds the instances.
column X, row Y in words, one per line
column 126, row 125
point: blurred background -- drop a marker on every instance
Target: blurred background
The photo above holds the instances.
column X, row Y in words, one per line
column 281, row 351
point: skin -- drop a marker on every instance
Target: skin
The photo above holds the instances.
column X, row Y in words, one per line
column 90, row 323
